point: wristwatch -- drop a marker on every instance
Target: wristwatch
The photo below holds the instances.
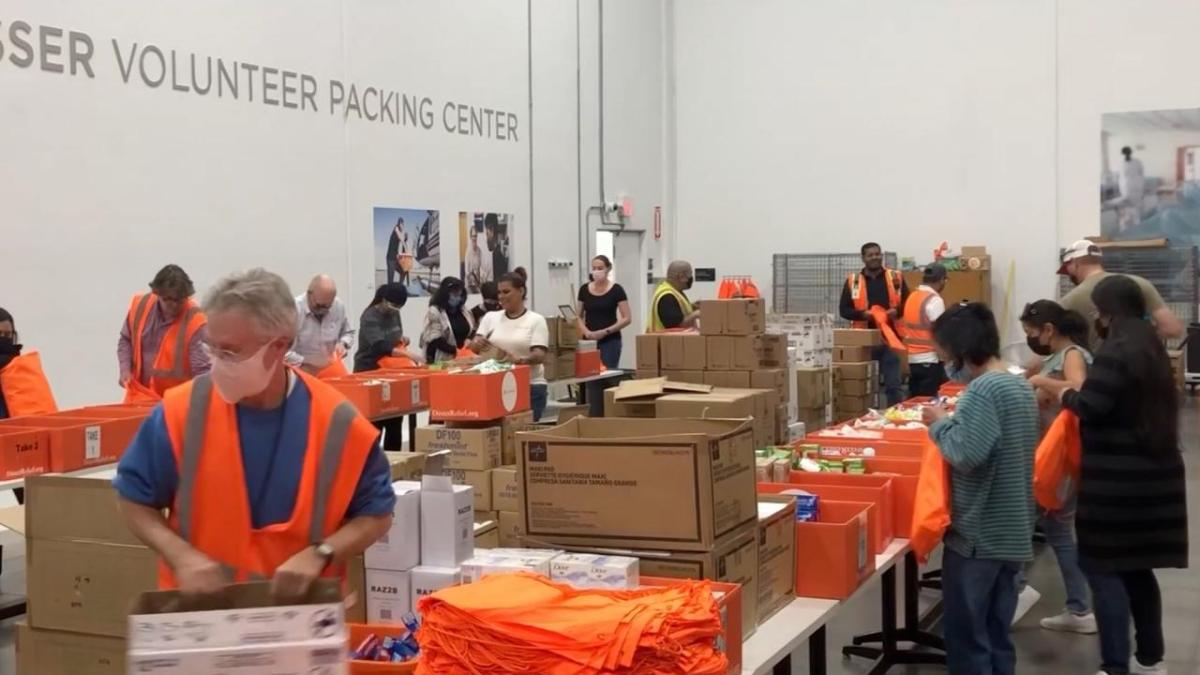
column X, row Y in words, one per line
column 326, row 552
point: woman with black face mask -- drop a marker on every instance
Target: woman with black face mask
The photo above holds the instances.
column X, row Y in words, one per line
column 24, row 389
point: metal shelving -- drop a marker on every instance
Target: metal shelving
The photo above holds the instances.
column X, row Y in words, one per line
column 811, row 283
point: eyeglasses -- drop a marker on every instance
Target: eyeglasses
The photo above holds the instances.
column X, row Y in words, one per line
column 228, row 355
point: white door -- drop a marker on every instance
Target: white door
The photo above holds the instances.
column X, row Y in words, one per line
column 629, row 270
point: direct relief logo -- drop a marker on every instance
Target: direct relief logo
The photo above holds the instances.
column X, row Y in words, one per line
column 537, row 452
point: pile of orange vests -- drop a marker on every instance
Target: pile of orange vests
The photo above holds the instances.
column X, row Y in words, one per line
column 523, row 623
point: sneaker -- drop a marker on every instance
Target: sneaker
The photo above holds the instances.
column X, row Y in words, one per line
column 1069, row 622
column 1025, row 601
column 1136, row 668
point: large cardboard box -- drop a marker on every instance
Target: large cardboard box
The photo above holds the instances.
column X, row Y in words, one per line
column 862, row 370
column 472, row 449
column 856, row 404
column 406, row 465
column 683, row 352
column 776, row 555
column 728, row 379
column 813, row 418
column 509, row 426
column 851, row 354
column 591, row 481
column 627, row 408
column 647, row 352
column 511, row 529
column 730, row 352
column 646, row 373
column 857, row 337
column 858, row 387
column 636, row 398
column 772, row 378
column 481, row 486
column 771, row 350
column 757, row 404
column 733, row 317
column 685, row 376
column 812, row 387
column 719, row 354
column 505, row 494
column 51, row 652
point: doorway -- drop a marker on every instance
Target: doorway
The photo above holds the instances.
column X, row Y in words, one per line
column 624, row 248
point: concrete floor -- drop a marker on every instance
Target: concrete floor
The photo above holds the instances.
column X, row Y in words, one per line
column 1039, row 652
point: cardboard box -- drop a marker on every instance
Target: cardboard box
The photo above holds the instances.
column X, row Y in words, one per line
column 728, row 379
column 568, row 334
column 511, row 529
column 568, row 413
column 973, row 251
column 857, row 337
column 377, row 395
column 685, row 376
column 356, row 590
column 447, row 522
column 969, row 285
column 851, row 354
column 476, row 397
column 743, row 316
column 428, row 579
column 590, row 482
column 243, row 628
column 647, row 352
column 646, row 373
column 487, row 533
column 505, row 494
column 400, row 547
column 782, row 423
column 720, row 353
column 862, row 370
column 771, row 350
column 481, row 486
column 683, row 352
column 509, row 426
column 406, row 465
column 833, row 554
column 776, row 555
column 732, row 559
column 74, row 508
column 855, row 404
column 592, row 570
column 389, row 595
column 812, row 387
column 635, row 398
column 813, row 418
column 627, row 408
column 858, row 387
column 50, row 652
column 23, row 452
column 772, row 378
column 471, row 449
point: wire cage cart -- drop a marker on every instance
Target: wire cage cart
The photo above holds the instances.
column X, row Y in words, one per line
column 811, row 283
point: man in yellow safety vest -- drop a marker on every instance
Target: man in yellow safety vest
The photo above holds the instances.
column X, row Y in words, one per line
column 670, row 308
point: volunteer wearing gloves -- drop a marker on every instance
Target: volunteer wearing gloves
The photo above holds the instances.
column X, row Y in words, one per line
column 381, row 344
column 988, row 445
column 228, row 456
column 324, row 335
column 519, row 335
column 159, row 346
column 876, row 286
column 447, row 323
column 1056, row 336
column 1132, row 515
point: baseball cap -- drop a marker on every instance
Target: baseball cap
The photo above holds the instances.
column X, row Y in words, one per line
column 1080, row 249
column 933, row 273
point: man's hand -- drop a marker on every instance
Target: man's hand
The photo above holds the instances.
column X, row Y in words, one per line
column 293, row 578
column 893, row 313
column 933, row 413
column 198, row 574
column 124, row 380
column 339, row 352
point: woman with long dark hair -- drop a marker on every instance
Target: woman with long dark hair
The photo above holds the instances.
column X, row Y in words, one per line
column 1132, row 513
column 447, row 323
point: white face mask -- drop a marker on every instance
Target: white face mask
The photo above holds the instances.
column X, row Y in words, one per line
column 236, row 380
column 599, row 275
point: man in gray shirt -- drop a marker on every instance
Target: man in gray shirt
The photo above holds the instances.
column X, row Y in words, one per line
column 323, row 335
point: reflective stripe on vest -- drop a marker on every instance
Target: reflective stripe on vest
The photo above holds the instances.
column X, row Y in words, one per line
column 135, row 333
column 858, row 292
column 176, row 371
column 664, row 289
column 193, row 445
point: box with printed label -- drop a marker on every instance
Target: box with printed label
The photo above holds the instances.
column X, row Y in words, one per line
column 389, row 595
column 851, row 354
column 812, row 386
column 400, row 547
column 52, row 652
column 861, row 370
column 74, row 440
column 772, row 349
column 592, row 480
column 772, row 378
column 733, row 317
column 511, row 529
column 590, row 570
column 428, row 579
column 680, row 351
column 647, row 352
column 481, row 485
column 776, row 554
column 858, row 387
column 479, row 397
column 499, row 561
column 857, row 337
column 505, row 496
column 472, row 449
column 447, row 522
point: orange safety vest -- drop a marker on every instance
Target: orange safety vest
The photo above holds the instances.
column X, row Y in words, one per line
column 915, row 326
column 172, row 366
column 858, row 292
column 215, row 519
column 25, row 387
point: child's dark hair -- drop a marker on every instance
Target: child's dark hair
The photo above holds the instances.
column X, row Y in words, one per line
column 968, row 334
column 1067, row 322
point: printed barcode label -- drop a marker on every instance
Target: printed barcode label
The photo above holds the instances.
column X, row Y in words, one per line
column 385, row 392
column 415, row 397
column 326, row 656
column 862, row 541
column 385, row 614
column 91, row 443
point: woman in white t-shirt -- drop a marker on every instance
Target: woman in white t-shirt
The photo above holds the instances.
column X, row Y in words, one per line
column 518, row 334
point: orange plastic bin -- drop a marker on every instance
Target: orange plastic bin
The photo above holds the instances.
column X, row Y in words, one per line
column 474, row 397
column 851, row 487
column 358, row 633
column 24, row 451
column 833, row 554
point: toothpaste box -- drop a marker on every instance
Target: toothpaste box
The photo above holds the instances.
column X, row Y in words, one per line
column 481, row 566
column 427, row 580
column 586, row 570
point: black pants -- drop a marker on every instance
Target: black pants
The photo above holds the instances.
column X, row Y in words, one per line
column 924, row 379
column 1122, row 596
column 393, row 433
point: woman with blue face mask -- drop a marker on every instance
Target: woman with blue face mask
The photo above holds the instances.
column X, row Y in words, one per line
column 448, row 324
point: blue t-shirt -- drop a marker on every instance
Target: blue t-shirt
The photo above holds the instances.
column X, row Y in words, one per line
column 273, row 446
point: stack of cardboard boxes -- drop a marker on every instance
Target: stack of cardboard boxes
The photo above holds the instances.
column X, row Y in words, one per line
column 663, row 398
column 855, row 373
column 564, row 339
column 810, row 350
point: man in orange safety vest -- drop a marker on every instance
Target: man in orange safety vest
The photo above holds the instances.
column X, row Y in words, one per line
column 264, row 471
column 159, row 345
column 876, row 286
column 924, row 305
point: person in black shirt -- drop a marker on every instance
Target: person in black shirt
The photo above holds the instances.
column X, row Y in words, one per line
column 495, row 242
column 447, row 323
column 669, row 307
column 491, row 303
column 603, row 311
column 879, row 286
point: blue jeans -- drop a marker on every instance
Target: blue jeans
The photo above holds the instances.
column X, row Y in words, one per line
column 1120, row 596
column 610, row 356
column 889, row 367
column 1059, row 528
column 980, row 599
column 538, row 393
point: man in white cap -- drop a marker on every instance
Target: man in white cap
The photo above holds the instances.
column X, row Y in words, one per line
column 1081, row 262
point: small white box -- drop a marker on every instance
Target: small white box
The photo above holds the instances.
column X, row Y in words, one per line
column 584, row 570
column 400, row 548
column 447, row 522
column 389, row 595
column 481, row 566
column 426, row 580
column 327, row 657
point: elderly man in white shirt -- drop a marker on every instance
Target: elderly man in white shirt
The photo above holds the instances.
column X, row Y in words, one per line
column 323, row 335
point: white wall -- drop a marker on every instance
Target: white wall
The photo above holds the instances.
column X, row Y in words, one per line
column 105, row 182
column 814, row 127
column 1157, row 151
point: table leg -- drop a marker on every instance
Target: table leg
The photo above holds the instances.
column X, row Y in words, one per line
column 816, row 652
column 412, row 432
column 888, row 654
column 784, row 667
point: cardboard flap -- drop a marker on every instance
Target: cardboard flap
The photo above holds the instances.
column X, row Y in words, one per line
column 13, row 518
column 234, row 596
column 625, row 429
column 657, row 386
